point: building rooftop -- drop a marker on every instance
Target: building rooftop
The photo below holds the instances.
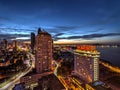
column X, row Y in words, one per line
column 31, row 73
column 98, row 85
column 88, row 52
column 53, row 81
column 19, row 87
column 89, row 49
column 40, row 31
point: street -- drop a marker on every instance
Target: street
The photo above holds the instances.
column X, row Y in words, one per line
column 16, row 79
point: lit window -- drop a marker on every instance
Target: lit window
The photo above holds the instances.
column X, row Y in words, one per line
column 42, row 35
column 90, row 66
column 45, row 57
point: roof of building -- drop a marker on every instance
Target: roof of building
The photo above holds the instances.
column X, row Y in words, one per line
column 31, row 73
column 55, row 84
column 19, row 87
column 98, row 85
column 40, row 31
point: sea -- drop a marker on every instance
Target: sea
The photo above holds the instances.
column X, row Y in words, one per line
column 110, row 54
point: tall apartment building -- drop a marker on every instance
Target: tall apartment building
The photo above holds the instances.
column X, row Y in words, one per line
column 86, row 64
column 43, row 51
column 43, row 59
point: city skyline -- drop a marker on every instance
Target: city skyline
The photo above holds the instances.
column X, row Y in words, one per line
column 76, row 21
column 48, row 66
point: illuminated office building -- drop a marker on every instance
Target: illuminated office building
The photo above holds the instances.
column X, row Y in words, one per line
column 43, row 59
column 43, row 51
column 86, row 64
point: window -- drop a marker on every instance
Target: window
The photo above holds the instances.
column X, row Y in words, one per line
column 90, row 66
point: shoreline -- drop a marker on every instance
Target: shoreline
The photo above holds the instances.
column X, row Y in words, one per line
column 108, row 62
column 110, row 66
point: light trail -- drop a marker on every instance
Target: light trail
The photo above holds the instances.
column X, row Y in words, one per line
column 112, row 68
column 16, row 79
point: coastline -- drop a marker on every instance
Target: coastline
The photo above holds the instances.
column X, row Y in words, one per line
column 108, row 62
column 110, row 66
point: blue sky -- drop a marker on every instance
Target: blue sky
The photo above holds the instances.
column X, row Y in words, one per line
column 84, row 21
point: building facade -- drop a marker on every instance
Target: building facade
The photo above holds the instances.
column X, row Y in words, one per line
column 32, row 79
column 43, row 51
column 43, row 59
column 86, row 64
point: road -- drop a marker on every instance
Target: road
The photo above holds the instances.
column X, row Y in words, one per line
column 69, row 83
column 112, row 68
column 16, row 79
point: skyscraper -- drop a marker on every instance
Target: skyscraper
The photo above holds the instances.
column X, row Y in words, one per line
column 43, row 58
column 5, row 43
column 32, row 41
column 43, row 51
column 15, row 44
column 86, row 64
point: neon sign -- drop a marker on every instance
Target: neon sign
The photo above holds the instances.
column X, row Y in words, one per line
column 86, row 48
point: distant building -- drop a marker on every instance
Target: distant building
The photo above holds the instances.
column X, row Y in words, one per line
column 49, row 82
column 4, row 63
column 1, row 44
column 97, row 86
column 19, row 87
column 5, row 43
column 32, row 41
column 15, row 44
column 43, row 51
column 86, row 64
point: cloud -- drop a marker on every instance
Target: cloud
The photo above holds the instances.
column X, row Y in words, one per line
column 59, row 29
column 58, row 34
column 15, row 31
column 13, row 36
column 90, row 36
column 67, row 27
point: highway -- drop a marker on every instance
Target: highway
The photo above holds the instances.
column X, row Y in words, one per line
column 16, row 79
column 112, row 68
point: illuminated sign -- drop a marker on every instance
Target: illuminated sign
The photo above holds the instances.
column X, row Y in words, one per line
column 86, row 48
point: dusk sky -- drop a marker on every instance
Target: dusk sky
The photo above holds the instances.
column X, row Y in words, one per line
column 84, row 21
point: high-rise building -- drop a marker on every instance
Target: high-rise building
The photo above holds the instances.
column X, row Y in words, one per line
column 43, row 51
column 32, row 41
column 5, row 43
column 15, row 44
column 43, row 59
column 86, row 64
